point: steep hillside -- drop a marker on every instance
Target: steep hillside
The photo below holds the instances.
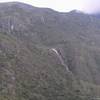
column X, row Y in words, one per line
column 47, row 55
column 33, row 74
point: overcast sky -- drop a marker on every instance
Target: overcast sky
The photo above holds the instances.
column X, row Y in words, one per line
column 88, row 6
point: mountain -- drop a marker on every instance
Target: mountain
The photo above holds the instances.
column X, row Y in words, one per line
column 48, row 55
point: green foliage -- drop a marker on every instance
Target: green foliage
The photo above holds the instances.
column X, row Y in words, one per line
column 30, row 70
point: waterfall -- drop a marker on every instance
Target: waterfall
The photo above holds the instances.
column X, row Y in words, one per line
column 60, row 58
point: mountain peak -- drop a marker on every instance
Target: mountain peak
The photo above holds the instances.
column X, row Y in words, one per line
column 76, row 11
column 47, row 55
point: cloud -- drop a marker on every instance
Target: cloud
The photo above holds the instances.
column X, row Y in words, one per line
column 59, row 5
column 91, row 6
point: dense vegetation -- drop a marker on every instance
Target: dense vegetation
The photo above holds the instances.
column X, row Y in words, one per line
column 31, row 70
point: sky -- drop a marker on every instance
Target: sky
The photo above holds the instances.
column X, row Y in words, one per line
column 87, row 6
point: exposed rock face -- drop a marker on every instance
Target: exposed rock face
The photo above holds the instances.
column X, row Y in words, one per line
column 47, row 55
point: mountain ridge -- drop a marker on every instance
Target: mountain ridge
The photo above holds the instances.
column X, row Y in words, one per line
column 31, row 38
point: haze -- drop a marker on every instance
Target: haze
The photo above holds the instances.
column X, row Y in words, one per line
column 87, row 6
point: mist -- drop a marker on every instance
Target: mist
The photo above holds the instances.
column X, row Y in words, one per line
column 87, row 6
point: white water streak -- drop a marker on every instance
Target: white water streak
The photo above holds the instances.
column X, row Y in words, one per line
column 12, row 27
column 42, row 19
column 60, row 58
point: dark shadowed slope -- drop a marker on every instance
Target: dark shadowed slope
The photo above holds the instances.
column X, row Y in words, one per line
column 30, row 67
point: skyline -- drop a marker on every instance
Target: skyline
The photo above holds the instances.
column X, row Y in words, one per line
column 87, row 6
